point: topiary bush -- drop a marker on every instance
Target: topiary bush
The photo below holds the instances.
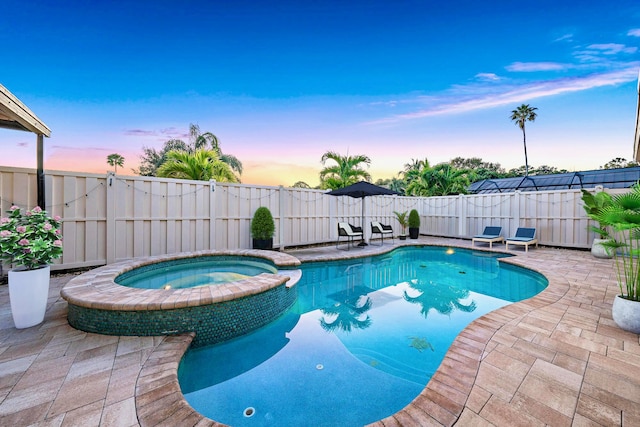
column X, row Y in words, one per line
column 262, row 225
column 414, row 219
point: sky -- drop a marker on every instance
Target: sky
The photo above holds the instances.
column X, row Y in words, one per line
column 281, row 83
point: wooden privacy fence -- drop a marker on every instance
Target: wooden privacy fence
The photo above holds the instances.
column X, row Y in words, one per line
column 109, row 218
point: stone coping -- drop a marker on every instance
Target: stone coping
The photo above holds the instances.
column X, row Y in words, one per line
column 97, row 288
column 159, row 400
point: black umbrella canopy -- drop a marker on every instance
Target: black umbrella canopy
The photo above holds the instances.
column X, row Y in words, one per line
column 362, row 189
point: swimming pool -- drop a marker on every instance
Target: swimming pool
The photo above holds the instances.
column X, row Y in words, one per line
column 194, row 272
column 361, row 342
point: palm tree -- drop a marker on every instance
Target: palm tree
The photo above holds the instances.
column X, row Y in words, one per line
column 201, row 165
column 115, row 160
column 347, row 170
column 152, row 159
column 519, row 116
column 206, row 140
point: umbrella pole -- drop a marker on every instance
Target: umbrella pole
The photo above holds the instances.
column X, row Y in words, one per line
column 362, row 243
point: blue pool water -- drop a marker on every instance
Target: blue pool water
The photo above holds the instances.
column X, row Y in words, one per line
column 193, row 272
column 361, row 342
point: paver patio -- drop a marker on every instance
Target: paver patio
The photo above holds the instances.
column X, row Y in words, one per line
column 556, row 359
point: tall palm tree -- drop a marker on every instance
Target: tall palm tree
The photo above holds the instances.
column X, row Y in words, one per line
column 207, row 140
column 347, row 170
column 519, row 116
column 201, row 165
column 115, row 160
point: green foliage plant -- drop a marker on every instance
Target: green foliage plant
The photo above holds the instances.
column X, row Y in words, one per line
column 414, row 219
column 622, row 216
column 262, row 225
column 31, row 239
column 402, row 220
column 593, row 205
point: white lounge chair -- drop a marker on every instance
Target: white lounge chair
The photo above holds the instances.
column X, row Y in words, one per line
column 346, row 230
column 489, row 235
column 524, row 237
column 382, row 230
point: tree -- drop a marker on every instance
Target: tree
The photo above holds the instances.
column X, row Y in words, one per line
column 300, row 184
column 347, row 170
column 152, row 159
column 520, row 116
column 439, row 180
column 619, row 162
column 115, row 160
column 202, row 165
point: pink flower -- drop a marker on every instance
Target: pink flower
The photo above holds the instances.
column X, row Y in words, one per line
column 4, row 220
column 37, row 209
column 58, row 232
column 5, row 233
column 28, row 213
column 23, row 242
column 14, row 208
column 57, row 243
column 47, row 226
column 57, row 218
column 21, row 229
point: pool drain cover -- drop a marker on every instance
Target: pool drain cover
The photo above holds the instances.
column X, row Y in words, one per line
column 249, row 412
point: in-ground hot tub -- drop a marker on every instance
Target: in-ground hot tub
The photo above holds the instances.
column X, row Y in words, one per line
column 215, row 313
column 195, row 271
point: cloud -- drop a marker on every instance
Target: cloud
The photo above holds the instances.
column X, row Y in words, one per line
column 536, row 66
column 566, row 37
column 489, row 77
column 635, row 32
column 611, row 48
column 452, row 103
column 140, row 132
column 67, row 147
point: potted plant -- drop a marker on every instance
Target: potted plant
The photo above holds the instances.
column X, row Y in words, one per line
column 594, row 204
column 402, row 219
column 29, row 241
column 622, row 216
column 414, row 224
column 262, row 228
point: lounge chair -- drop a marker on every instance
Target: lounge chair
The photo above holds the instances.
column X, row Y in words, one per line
column 347, row 230
column 382, row 230
column 489, row 235
column 524, row 237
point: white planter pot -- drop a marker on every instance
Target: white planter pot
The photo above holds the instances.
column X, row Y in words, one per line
column 626, row 314
column 599, row 251
column 28, row 293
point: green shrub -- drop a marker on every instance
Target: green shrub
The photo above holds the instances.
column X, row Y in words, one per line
column 262, row 225
column 414, row 219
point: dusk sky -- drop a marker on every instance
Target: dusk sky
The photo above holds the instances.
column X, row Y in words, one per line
column 280, row 83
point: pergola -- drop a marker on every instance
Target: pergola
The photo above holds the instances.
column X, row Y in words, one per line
column 15, row 115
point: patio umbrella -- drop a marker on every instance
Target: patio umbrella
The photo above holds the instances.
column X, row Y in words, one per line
column 360, row 190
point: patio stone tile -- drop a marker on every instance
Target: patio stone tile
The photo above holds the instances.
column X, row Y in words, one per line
column 120, row 414
column 581, row 421
column 535, row 350
column 501, row 413
column 88, row 415
column 598, row 412
column 570, row 363
column 477, row 399
column 552, row 394
column 471, row 419
column 540, row 411
column 26, row 416
column 80, row 391
column 498, row 382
